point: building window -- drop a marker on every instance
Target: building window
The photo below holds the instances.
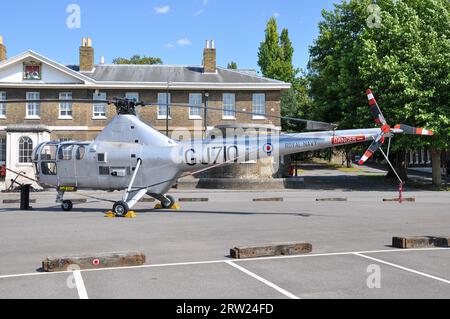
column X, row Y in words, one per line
column 2, row 151
column 2, row 105
column 163, row 106
column 25, row 149
column 99, row 109
column 132, row 96
column 65, row 108
column 33, row 108
column 229, row 106
column 259, row 106
column 195, row 106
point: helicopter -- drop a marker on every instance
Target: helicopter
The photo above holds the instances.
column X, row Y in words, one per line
column 131, row 156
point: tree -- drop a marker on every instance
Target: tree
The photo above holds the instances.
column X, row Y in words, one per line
column 232, row 65
column 275, row 58
column 406, row 61
column 137, row 59
column 275, row 54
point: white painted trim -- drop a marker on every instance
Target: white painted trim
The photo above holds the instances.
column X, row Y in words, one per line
column 65, row 118
column 43, row 59
column 99, row 117
column 69, row 128
column 233, row 118
column 163, row 117
column 258, row 117
column 195, row 117
column 32, row 117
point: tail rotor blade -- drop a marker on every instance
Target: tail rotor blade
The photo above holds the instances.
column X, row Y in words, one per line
column 375, row 109
column 410, row 130
column 372, row 149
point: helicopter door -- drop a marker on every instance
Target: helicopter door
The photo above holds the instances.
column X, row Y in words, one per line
column 83, row 172
column 66, row 165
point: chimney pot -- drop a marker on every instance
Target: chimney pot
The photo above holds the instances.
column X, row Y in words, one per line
column 102, row 60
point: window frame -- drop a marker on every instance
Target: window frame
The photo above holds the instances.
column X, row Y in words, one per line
column 2, row 150
column 263, row 106
column 36, row 106
column 192, row 106
column 225, row 116
column 162, row 106
column 99, row 96
column 65, row 104
column 127, row 94
column 3, row 97
column 25, row 153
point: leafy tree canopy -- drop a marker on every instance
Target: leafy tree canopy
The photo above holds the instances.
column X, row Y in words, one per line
column 232, row 65
column 137, row 59
column 406, row 62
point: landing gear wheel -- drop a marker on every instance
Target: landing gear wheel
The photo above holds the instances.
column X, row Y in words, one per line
column 168, row 203
column 67, row 205
column 120, row 208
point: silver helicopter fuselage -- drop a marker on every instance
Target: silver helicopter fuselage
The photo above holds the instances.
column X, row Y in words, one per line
column 109, row 162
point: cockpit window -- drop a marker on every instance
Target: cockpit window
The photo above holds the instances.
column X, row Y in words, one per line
column 81, row 150
column 48, row 168
column 48, row 153
column 65, row 152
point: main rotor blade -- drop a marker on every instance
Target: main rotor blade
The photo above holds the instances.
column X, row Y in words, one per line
column 372, row 149
column 311, row 125
column 410, row 130
column 375, row 109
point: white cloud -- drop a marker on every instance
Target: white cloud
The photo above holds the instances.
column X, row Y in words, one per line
column 202, row 9
column 162, row 10
column 184, row 42
column 169, row 46
column 199, row 12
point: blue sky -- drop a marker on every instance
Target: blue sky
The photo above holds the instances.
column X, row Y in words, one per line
column 174, row 30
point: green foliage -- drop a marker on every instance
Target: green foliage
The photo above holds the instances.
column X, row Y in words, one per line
column 232, row 65
column 275, row 60
column 275, row 54
column 137, row 59
column 406, row 62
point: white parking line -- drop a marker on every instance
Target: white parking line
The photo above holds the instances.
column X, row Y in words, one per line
column 82, row 293
column 403, row 268
column 268, row 283
column 235, row 261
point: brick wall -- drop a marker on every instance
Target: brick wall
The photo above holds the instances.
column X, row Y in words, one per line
column 83, row 116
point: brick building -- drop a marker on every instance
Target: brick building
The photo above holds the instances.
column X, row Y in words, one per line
column 32, row 76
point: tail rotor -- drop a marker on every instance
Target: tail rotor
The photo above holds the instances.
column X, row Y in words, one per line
column 386, row 130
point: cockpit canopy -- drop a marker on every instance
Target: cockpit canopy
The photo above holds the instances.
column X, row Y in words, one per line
column 45, row 155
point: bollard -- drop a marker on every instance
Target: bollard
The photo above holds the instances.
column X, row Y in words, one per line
column 25, row 197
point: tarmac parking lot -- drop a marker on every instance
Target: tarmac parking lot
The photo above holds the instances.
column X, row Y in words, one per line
column 188, row 249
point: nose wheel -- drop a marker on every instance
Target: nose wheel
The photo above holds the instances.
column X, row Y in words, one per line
column 67, row 205
column 121, row 208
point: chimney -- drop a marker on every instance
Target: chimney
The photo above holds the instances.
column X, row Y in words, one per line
column 209, row 57
column 2, row 50
column 86, row 55
column 102, row 60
